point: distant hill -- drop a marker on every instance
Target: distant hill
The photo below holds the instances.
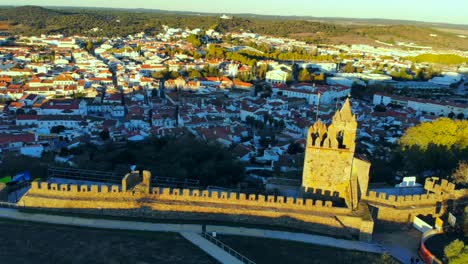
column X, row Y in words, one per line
column 119, row 22
column 25, row 13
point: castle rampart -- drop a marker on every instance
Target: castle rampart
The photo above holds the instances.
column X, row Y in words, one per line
column 187, row 202
column 185, row 195
column 402, row 208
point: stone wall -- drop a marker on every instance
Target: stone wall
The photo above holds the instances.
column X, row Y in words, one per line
column 186, row 195
column 130, row 180
column 327, row 168
column 403, row 208
column 403, row 201
column 185, row 201
column 444, row 188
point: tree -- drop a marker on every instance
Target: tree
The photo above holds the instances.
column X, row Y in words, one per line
column 104, row 135
column 57, row 129
column 295, row 148
column 138, row 48
column 320, row 78
column 89, row 46
column 281, row 123
column 304, row 75
column 443, row 131
column 250, row 120
column 456, row 252
column 158, row 74
column 174, row 75
column 380, row 108
column 460, row 175
column 264, row 141
column 194, row 74
column 194, row 40
column 349, row 68
column 436, row 146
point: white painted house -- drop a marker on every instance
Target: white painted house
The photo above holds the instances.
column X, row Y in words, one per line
column 277, row 76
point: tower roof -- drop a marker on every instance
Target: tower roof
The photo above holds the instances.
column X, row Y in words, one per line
column 346, row 112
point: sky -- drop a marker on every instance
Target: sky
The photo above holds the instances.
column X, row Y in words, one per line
column 447, row 11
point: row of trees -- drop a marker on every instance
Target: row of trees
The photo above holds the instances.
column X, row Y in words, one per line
column 183, row 158
column 421, row 74
column 250, row 57
column 207, row 71
column 439, row 58
column 306, row 76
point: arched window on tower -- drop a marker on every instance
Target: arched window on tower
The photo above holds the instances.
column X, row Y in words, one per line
column 314, row 137
column 323, row 140
column 340, row 139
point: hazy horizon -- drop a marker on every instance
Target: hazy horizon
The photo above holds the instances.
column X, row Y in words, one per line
column 431, row 11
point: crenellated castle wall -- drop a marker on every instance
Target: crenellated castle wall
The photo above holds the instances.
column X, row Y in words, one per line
column 184, row 203
column 402, row 208
column 185, row 195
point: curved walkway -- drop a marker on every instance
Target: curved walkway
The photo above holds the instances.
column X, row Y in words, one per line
column 190, row 228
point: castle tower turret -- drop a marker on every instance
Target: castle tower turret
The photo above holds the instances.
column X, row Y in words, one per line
column 346, row 125
column 329, row 157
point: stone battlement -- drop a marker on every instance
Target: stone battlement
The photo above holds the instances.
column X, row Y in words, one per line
column 402, row 208
column 444, row 185
column 187, row 195
column 402, row 200
column 436, row 192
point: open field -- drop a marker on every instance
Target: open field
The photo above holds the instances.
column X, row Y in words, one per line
column 24, row 242
column 263, row 250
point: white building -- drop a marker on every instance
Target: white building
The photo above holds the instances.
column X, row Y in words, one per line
column 34, row 151
column 372, row 78
column 313, row 93
column 233, row 69
column 329, row 67
column 277, row 76
column 447, row 79
column 436, row 108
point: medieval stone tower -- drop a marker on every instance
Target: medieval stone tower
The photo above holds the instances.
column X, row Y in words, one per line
column 330, row 167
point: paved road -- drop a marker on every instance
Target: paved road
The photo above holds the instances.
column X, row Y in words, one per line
column 299, row 237
column 401, row 244
column 191, row 228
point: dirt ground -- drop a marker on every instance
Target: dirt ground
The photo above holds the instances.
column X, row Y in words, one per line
column 24, row 242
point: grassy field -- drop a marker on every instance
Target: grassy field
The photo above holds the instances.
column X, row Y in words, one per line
column 24, row 242
column 263, row 250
